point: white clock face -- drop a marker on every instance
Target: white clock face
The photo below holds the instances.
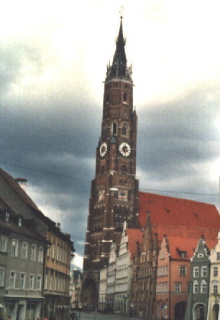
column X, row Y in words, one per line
column 103, row 149
column 125, row 149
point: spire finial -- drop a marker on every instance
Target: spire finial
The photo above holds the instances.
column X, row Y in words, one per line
column 121, row 12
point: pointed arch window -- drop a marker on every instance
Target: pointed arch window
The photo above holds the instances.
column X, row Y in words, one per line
column 114, row 128
column 124, row 129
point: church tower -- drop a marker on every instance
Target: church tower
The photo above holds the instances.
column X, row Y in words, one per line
column 114, row 190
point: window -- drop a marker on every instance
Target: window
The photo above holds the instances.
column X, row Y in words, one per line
column 33, row 252
column 7, row 216
column 177, row 287
column 182, row 271
column 45, row 281
column 12, row 279
column 19, row 222
column 215, row 271
column 51, row 282
column 195, row 287
column 114, row 128
column 215, row 289
column 204, row 271
column 196, row 272
column 188, row 287
column 31, row 281
column 53, row 249
column 40, row 254
column 218, row 255
column 58, row 252
column 3, row 244
column 125, row 96
column 22, row 280
column 39, row 282
column 183, row 254
column 24, row 250
column 14, row 248
column 2, row 276
column 204, row 286
column 124, row 130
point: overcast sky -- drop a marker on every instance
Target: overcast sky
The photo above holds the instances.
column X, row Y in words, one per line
column 53, row 57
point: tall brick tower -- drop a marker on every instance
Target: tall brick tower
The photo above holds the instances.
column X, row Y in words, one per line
column 114, row 190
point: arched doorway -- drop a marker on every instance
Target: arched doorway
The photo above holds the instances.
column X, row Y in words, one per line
column 89, row 295
column 180, row 309
column 199, row 311
column 215, row 312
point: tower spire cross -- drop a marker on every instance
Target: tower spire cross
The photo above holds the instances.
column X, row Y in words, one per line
column 121, row 12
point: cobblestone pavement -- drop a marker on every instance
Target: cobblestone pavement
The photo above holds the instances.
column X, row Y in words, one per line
column 101, row 316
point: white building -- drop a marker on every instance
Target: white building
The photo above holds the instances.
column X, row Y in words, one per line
column 111, row 270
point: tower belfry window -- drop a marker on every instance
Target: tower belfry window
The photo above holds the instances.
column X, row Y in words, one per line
column 124, row 130
column 114, row 128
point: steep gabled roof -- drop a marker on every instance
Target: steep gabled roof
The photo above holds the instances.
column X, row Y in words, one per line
column 167, row 211
column 178, row 244
column 134, row 236
column 15, row 187
column 18, row 190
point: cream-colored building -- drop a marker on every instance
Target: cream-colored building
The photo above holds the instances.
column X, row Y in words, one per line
column 214, row 288
column 102, row 289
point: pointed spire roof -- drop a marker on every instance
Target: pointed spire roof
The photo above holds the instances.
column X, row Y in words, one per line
column 120, row 56
column 119, row 69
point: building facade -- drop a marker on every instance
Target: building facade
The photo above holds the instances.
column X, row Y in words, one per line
column 214, row 284
column 22, row 252
column 114, row 190
column 56, row 261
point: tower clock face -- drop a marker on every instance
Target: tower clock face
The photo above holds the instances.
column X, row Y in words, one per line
column 125, row 149
column 103, row 149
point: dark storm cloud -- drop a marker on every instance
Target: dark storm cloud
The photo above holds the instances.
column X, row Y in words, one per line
column 178, row 144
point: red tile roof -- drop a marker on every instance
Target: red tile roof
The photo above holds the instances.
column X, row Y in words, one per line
column 179, row 217
column 177, row 244
column 177, row 212
column 134, row 236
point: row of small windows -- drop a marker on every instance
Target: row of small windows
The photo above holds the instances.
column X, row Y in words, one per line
column 36, row 252
column 34, row 282
column 57, row 252
column 107, row 97
column 124, row 130
column 203, row 287
column 55, row 282
column 197, row 271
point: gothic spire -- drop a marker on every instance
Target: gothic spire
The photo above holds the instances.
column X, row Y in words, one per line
column 119, row 69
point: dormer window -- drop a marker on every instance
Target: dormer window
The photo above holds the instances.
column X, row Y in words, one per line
column 7, row 216
column 183, row 254
column 19, row 221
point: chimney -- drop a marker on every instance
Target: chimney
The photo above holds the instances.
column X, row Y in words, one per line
column 58, row 225
column 22, row 183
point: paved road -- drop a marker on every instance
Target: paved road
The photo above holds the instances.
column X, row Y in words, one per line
column 101, row 316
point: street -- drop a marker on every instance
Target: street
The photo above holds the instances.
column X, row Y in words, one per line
column 101, row 316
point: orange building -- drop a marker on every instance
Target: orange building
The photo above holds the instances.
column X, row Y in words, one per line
column 57, row 274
